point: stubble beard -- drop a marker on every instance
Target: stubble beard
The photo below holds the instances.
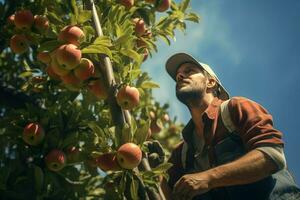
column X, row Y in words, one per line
column 190, row 95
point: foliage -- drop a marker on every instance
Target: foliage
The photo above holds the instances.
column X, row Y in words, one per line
column 75, row 120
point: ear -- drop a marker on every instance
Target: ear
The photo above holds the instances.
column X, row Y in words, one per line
column 211, row 83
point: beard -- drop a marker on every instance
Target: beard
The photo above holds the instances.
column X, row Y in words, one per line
column 190, row 95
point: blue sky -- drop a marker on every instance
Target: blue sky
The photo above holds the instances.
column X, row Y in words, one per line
column 254, row 47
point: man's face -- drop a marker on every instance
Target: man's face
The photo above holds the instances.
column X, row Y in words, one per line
column 190, row 83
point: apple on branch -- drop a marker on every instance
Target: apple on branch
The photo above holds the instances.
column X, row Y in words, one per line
column 129, row 155
column 163, row 5
column 44, row 57
column 98, row 89
column 19, row 43
column 55, row 160
column 108, row 162
column 71, row 34
column 33, row 134
column 41, row 23
column 23, row 19
column 85, row 69
column 140, row 27
column 128, row 97
column 68, row 56
column 127, row 3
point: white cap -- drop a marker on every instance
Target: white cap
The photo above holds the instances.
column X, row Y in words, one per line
column 174, row 62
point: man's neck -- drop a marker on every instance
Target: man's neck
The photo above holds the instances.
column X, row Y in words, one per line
column 198, row 108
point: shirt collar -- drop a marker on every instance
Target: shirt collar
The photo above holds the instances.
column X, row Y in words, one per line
column 210, row 113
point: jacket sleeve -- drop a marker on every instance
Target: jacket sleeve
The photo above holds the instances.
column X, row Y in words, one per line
column 176, row 171
column 253, row 123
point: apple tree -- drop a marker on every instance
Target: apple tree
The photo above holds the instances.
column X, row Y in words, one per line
column 78, row 119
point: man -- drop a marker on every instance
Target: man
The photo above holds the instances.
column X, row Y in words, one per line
column 230, row 149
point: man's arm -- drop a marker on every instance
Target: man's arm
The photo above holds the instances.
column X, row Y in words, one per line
column 253, row 166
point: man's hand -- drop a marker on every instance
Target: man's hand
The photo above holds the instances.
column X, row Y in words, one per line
column 191, row 185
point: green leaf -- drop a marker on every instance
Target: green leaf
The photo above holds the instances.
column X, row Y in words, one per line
column 149, row 85
column 132, row 54
column 84, row 16
column 25, row 74
column 162, row 168
column 49, row 45
column 102, row 40
column 184, row 5
column 122, row 39
column 54, row 19
column 141, row 133
column 97, row 49
column 38, row 178
column 192, row 17
column 126, row 134
column 134, row 189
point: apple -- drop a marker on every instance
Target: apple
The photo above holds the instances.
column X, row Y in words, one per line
column 151, row 1
column 55, row 160
column 11, row 19
column 155, row 126
column 41, row 23
column 108, row 162
column 68, row 56
column 127, row 3
column 166, row 117
column 71, row 34
column 44, row 57
column 98, row 89
column 163, row 5
column 23, row 19
column 58, row 69
column 71, row 79
column 51, row 73
column 129, row 155
column 85, row 69
column 128, row 97
column 33, row 134
column 73, row 154
column 140, row 27
column 19, row 43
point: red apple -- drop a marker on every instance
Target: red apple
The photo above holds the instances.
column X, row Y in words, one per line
column 108, row 162
column 129, row 156
column 151, row 1
column 73, row 154
column 23, row 19
column 11, row 19
column 44, row 57
column 51, row 73
column 71, row 34
column 140, row 27
column 68, row 56
column 33, row 134
column 55, row 160
column 128, row 97
column 155, row 126
column 127, row 3
column 85, row 69
column 71, row 79
column 98, row 89
column 41, row 23
column 163, row 5
column 58, row 69
column 19, row 44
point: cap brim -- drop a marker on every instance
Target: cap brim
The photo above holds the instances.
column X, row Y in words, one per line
column 174, row 62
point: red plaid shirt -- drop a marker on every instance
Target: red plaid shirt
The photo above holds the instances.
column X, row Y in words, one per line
column 253, row 123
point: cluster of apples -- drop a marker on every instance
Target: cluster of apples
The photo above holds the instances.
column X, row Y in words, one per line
column 34, row 134
column 141, row 31
column 24, row 21
column 128, row 156
column 67, row 64
column 160, row 5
